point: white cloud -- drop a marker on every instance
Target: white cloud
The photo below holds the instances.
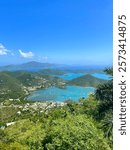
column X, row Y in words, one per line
column 26, row 55
column 3, row 50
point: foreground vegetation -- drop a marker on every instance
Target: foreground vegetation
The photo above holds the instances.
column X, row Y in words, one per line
column 83, row 125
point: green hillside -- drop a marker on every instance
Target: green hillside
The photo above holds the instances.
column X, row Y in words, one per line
column 28, row 78
column 18, row 84
column 10, row 87
column 87, row 81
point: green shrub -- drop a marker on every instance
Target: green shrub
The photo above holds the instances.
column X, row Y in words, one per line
column 74, row 133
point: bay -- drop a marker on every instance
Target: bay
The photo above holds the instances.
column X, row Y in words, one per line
column 69, row 92
column 60, row 95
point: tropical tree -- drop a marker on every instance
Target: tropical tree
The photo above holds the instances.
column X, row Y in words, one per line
column 104, row 94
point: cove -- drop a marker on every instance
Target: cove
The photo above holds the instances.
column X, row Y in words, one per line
column 60, row 95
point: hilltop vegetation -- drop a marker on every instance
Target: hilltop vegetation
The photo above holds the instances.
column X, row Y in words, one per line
column 54, row 133
column 71, row 126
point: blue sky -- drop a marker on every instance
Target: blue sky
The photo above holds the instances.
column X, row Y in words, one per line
column 56, row 31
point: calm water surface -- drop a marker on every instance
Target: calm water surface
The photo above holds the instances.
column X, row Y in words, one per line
column 57, row 94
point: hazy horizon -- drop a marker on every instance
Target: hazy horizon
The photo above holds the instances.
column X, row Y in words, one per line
column 69, row 65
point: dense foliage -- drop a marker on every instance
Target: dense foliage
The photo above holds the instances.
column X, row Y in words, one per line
column 76, row 132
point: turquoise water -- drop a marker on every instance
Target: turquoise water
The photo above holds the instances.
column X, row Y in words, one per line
column 102, row 76
column 70, row 76
column 69, row 93
column 56, row 94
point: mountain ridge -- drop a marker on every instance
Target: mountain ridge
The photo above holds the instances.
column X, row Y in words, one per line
column 37, row 66
column 30, row 66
